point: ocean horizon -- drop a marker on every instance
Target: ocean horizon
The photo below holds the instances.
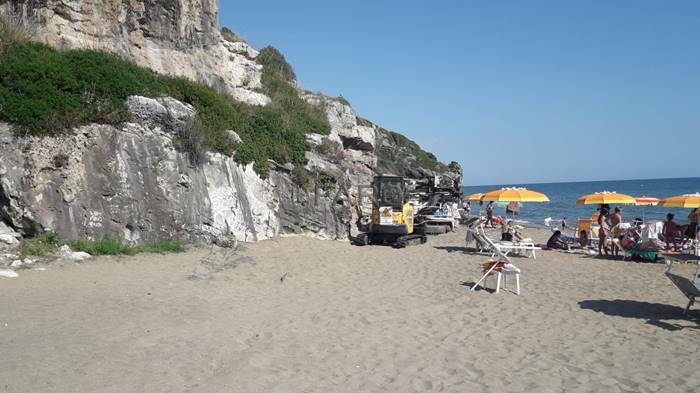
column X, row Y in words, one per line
column 563, row 196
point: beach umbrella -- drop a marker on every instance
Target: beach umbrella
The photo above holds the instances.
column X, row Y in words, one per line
column 646, row 201
column 688, row 201
column 606, row 198
column 515, row 195
column 506, row 195
column 474, row 197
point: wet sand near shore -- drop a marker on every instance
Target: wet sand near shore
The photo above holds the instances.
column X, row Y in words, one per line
column 302, row 315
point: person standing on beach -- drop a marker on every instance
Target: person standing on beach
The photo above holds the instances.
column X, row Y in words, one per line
column 616, row 218
column 512, row 210
column 603, row 232
column 692, row 230
column 669, row 231
column 489, row 215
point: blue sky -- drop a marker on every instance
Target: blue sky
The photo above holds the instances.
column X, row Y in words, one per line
column 516, row 91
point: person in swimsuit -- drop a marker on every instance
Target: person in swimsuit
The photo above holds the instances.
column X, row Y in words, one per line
column 489, row 215
column 603, row 232
column 556, row 243
column 583, row 239
column 616, row 218
column 669, row 231
column 692, row 230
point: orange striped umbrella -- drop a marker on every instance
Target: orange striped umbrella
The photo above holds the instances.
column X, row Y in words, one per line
column 647, row 201
column 474, row 197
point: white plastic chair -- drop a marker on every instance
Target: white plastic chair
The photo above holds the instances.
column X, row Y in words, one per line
column 502, row 276
column 501, row 272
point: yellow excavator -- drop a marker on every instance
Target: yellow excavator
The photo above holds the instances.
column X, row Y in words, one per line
column 392, row 220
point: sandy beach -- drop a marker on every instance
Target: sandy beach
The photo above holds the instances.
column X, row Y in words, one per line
column 302, row 315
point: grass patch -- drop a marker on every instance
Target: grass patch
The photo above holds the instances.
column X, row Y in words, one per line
column 114, row 246
column 46, row 92
column 44, row 245
column 104, row 246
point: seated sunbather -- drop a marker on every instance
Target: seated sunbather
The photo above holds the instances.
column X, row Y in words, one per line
column 583, row 239
column 556, row 243
column 510, row 233
column 631, row 239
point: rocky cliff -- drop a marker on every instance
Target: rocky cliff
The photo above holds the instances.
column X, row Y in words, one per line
column 130, row 179
column 177, row 37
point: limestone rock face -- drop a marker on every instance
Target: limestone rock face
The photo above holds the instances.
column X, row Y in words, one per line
column 178, row 37
column 130, row 181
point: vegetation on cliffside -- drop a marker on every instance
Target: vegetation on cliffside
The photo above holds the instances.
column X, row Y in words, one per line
column 44, row 91
column 401, row 156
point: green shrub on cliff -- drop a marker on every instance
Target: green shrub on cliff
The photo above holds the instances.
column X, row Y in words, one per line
column 231, row 36
column 46, row 92
column 424, row 159
column 273, row 60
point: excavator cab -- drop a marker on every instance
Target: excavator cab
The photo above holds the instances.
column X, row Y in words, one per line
column 392, row 215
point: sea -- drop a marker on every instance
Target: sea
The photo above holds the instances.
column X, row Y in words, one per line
column 563, row 198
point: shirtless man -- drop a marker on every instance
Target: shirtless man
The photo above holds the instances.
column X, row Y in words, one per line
column 616, row 218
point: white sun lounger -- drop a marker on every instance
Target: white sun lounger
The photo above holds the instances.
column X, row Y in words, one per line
column 689, row 288
column 484, row 243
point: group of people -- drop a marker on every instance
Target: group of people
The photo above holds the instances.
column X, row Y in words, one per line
column 675, row 235
column 672, row 231
column 606, row 221
column 612, row 242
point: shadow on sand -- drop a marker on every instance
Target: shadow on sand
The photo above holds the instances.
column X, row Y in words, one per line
column 654, row 313
column 470, row 284
column 472, row 250
column 451, row 249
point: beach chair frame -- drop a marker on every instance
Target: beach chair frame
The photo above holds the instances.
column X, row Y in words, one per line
column 689, row 288
column 505, row 247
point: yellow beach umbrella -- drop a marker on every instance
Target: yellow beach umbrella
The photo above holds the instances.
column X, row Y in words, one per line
column 688, row 201
column 606, row 198
column 474, row 197
column 647, row 201
column 515, row 195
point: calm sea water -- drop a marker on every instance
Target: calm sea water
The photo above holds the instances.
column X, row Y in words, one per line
column 563, row 198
